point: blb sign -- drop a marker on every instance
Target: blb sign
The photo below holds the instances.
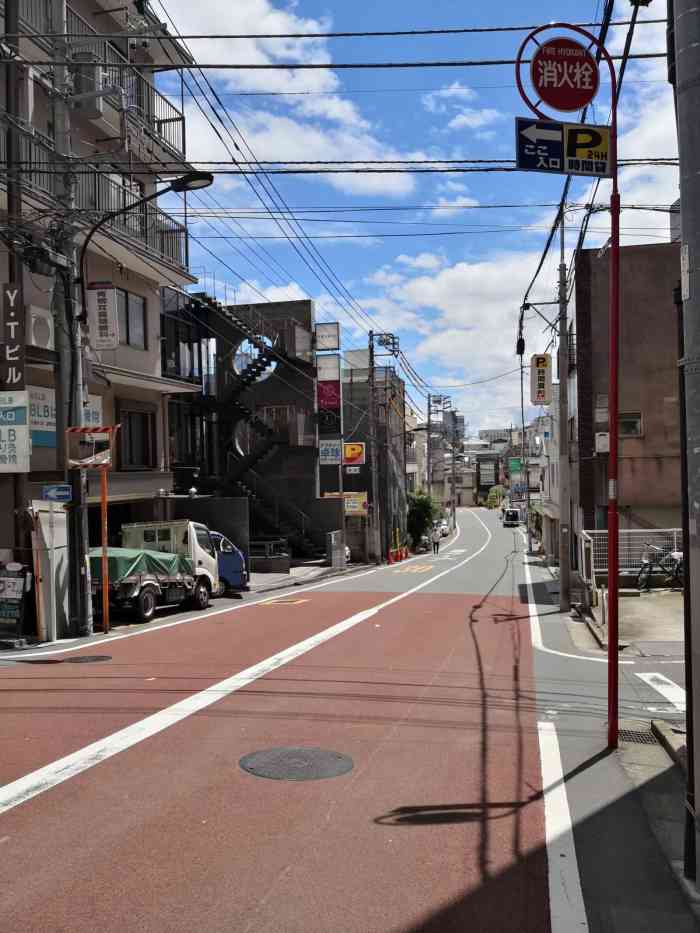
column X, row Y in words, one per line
column 562, row 148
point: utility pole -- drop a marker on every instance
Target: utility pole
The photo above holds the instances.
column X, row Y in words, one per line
column 428, row 453
column 454, row 474
column 524, row 464
column 69, row 382
column 564, row 469
column 376, row 547
column 14, row 214
column 687, row 88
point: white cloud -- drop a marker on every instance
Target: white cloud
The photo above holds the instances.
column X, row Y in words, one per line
column 422, row 261
column 473, row 119
column 446, row 206
column 384, row 277
column 435, row 102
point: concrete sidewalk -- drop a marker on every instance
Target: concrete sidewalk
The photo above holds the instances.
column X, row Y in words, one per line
column 650, row 623
column 298, row 576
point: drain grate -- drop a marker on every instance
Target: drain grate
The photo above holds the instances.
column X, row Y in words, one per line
column 296, row 764
column 89, row 659
column 638, row 738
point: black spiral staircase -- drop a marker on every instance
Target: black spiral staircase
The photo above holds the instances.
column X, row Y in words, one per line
column 270, row 512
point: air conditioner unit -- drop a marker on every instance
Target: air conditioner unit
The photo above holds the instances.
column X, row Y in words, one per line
column 40, row 331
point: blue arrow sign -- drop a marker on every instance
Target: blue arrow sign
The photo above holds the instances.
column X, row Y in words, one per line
column 539, row 145
column 60, row 492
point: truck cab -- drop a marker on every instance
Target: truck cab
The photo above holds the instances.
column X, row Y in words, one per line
column 184, row 537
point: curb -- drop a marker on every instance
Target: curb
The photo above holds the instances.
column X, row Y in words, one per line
column 673, row 742
column 598, row 631
column 287, row 584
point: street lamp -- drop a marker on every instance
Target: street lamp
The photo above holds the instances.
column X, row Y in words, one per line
column 78, row 542
column 192, row 181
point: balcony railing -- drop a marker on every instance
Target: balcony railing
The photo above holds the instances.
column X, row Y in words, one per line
column 146, row 104
column 96, row 191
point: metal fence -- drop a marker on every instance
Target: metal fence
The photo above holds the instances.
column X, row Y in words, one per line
column 633, row 547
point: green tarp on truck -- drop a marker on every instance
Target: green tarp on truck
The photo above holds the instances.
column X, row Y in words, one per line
column 128, row 562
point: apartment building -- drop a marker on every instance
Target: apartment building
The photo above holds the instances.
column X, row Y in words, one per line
column 119, row 143
column 649, row 490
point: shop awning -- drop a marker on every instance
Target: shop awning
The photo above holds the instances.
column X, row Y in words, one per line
column 128, row 377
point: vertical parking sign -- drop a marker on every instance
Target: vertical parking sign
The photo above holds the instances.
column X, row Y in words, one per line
column 541, row 379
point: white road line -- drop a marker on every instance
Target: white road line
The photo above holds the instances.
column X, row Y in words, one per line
column 667, row 688
column 536, row 629
column 567, row 910
column 43, row 779
column 17, row 656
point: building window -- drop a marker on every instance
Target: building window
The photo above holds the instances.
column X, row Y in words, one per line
column 137, row 436
column 630, row 424
column 132, row 319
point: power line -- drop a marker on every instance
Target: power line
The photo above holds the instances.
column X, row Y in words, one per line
column 268, row 186
column 332, row 66
column 441, row 31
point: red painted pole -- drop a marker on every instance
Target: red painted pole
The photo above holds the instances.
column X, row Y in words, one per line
column 613, row 385
column 613, row 413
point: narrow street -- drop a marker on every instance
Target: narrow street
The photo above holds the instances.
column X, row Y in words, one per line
column 475, row 725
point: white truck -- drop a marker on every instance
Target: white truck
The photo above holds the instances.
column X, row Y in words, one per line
column 187, row 538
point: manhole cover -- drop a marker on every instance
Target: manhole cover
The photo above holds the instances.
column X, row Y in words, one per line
column 639, row 738
column 296, row 764
column 89, row 658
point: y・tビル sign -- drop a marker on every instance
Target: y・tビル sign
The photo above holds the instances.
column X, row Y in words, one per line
column 564, row 74
column 12, row 341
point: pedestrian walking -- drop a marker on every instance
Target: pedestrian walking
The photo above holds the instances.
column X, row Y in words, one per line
column 435, row 538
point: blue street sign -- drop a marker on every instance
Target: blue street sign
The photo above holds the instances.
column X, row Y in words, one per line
column 562, row 148
column 539, row 145
column 60, row 492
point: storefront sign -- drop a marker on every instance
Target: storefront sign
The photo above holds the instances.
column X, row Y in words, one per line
column 328, row 336
column 354, row 454
column 15, row 446
column 103, row 317
column 329, row 452
column 329, row 395
column 42, row 415
column 12, row 340
column 356, row 503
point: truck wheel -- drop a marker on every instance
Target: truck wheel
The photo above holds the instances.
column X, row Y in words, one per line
column 200, row 597
column 145, row 604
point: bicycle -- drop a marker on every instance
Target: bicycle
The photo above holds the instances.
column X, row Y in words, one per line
column 673, row 574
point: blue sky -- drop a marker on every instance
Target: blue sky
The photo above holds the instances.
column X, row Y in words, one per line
column 451, row 277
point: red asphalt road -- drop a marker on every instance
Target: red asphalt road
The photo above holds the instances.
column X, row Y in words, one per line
column 439, row 827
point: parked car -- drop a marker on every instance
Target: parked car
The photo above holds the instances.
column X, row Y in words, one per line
column 233, row 575
column 444, row 528
column 187, row 539
column 142, row 580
